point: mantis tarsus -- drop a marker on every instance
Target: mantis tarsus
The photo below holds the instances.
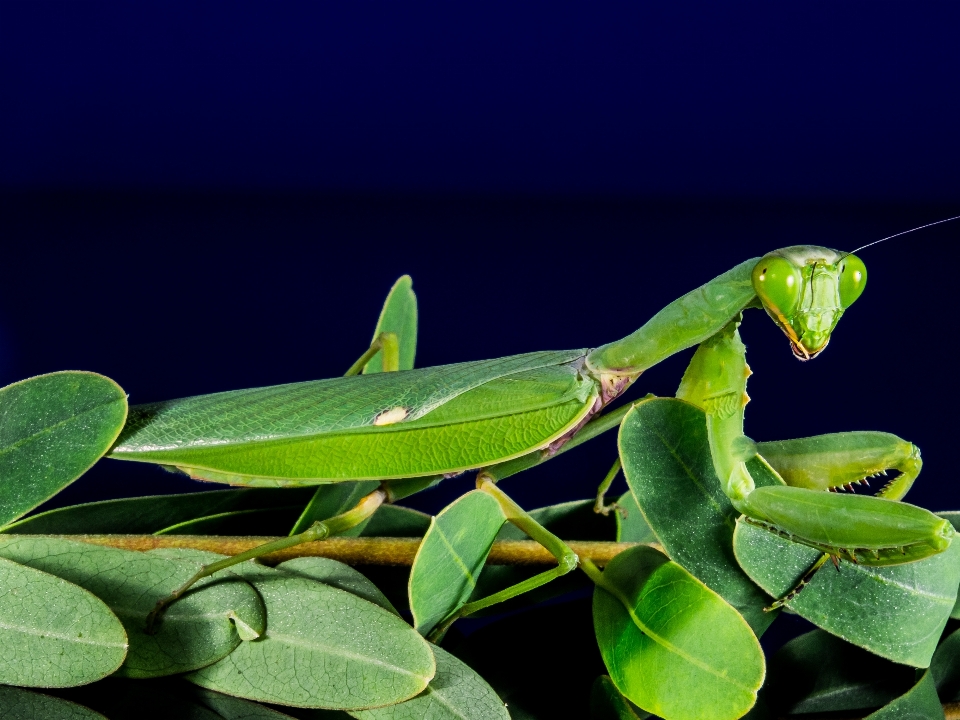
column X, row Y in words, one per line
column 502, row 415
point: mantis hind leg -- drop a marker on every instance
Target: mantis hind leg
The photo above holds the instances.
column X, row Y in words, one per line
column 318, row 531
column 386, row 343
column 599, row 506
column 567, row 559
column 841, row 460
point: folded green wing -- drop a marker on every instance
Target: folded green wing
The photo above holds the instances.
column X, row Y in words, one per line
column 386, row 425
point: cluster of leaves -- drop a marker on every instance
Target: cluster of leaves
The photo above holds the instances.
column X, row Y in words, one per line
column 671, row 629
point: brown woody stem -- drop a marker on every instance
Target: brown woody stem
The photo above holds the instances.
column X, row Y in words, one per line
column 353, row 551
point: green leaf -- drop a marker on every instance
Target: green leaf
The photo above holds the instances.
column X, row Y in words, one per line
column 53, row 428
column 606, row 702
column 455, row 693
column 918, row 703
column 817, row 673
column 53, row 633
column 945, row 667
column 159, row 698
column 231, row 708
column 337, row 574
column 897, row 612
column 399, row 315
column 323, row 648
column 17, row 704
column 631, row 525
column 396, row 521
column 671, row 645
column 451, row 556
column 269, row 521
column 195, row 631
column 540, row 661
column 667, row 463
column 333, row 499
column 154, row 513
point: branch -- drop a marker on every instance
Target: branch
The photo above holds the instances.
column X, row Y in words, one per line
column 352, row 551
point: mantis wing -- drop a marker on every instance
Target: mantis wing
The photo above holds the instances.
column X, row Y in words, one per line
column 442, row 419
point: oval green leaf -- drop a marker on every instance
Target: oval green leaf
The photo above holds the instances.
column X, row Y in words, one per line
column 55, row 427
column 199, row 629
column 339, row 575
column 897, row 612
column 818, row 673
column 18, row 704
column 155, row 513
column 606, row 702
column 671, row 645
column 232, row 708
column 455, row 693
column 919, row 703
column 631, row 525
column 451, row 556
column 399, row 316
column 323, row 648
column 53, row 633
column 666, row 460
column 396, row 521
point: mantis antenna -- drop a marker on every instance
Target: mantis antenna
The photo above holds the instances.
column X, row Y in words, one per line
column 875, row 242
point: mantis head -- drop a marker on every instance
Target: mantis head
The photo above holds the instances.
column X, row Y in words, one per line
column 806, row 289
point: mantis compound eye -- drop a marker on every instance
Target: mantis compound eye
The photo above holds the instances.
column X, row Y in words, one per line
column 777, row 282
column 853, row 278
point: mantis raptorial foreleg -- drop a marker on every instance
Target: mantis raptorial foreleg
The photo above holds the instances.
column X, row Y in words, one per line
column 320, row 530
column 841, row 460
column 871, row 530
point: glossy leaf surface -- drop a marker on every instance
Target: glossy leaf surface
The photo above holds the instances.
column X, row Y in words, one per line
column 666, row 460
column 53, row 633
column 631, row 525
column 897, row 612
column 455, row 693
column 52, row 429
column 451, row 556
column 323, row 648
column 671, row 645
column 199, row 629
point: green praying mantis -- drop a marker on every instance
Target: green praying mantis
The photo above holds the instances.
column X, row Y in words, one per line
column 408, row 428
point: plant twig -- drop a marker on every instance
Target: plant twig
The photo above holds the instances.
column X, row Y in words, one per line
column 352, row 551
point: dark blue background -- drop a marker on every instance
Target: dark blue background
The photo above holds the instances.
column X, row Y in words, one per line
column 200, row 198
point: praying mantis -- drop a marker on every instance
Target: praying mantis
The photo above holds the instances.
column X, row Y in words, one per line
column 408, row 428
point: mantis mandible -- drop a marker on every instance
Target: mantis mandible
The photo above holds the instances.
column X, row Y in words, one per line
column 502, row 415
